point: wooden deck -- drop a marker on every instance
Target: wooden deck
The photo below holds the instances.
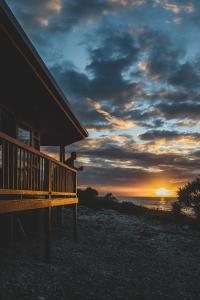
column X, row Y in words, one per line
column 30, row 179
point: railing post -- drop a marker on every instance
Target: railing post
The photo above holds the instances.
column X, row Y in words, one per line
column 47, row 221
column 59, row 210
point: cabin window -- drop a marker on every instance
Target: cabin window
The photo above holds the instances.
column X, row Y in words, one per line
column 24, row 135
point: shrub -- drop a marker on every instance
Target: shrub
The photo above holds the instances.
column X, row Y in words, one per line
column 189, row 196
column 176, row 208
column 89, row 197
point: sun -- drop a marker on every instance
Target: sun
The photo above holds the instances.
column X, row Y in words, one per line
column 162, row 192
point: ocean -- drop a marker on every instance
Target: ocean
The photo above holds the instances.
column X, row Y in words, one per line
column 150, row 202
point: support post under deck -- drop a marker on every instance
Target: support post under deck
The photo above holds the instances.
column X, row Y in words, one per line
column 47, row 235
column 75, row 221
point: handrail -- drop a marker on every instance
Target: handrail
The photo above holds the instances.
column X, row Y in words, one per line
column 26, row 170
column 33, row 150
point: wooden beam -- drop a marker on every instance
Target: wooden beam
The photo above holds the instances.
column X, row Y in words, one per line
column 30, row 192
column 8, row 206
column 22, row 192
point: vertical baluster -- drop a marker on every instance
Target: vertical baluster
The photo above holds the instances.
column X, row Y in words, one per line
column 36, row 157
column 33, row 172
column 62, row 177
column 28, row 167
column 64, row 183
column 24, row 169
column 7, row 164
column 17, row 177
column 43, row 177
column 1, row 164
column 20, row 168
column 13, row 166
column 10, row 166
column 3, row 161
column 59, row 179
column 38, row 168
column 67, row 180
column 40, row 173
column 55, row 176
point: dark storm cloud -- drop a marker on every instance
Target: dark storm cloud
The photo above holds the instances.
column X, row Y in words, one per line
column 187, row 76
column 116, row 52
column 118, row 176
column 104, row 80
column 169, row 135
column 63, row 15
column 163, row 55
column 180, row 110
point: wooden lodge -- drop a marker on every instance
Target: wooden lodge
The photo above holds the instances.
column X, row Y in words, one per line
column 33, row 113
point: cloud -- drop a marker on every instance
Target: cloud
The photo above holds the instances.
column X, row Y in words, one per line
column 187, row 76
column 36, row 13
column 175, row 7
column 117, row 123
column 180, row 110
column 168, row 135
column 107, row 158
column 71, row 13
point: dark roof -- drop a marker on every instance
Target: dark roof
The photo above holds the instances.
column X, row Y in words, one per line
column 34, row 94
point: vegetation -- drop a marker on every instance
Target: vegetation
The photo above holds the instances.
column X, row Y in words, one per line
column 90, row 198
column 189, row 197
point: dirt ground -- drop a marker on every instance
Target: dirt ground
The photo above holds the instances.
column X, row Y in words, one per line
column 116, row 257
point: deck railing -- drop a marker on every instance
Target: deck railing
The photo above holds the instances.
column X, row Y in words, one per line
column 25, row 170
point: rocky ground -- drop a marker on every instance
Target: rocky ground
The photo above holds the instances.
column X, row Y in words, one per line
column 117, row 257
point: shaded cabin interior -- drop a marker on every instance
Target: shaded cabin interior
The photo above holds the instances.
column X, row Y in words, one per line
column 33, row 113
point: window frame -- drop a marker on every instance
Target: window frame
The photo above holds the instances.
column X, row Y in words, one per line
column 27, row 127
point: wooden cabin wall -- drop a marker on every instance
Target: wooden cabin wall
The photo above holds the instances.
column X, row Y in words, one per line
column 10, row 124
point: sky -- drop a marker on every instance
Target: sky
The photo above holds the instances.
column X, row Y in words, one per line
column 131, row 72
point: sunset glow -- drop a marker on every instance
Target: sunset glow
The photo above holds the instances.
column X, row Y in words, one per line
column 162, row 192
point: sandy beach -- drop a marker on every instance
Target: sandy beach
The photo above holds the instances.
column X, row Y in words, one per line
column 116, row 257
